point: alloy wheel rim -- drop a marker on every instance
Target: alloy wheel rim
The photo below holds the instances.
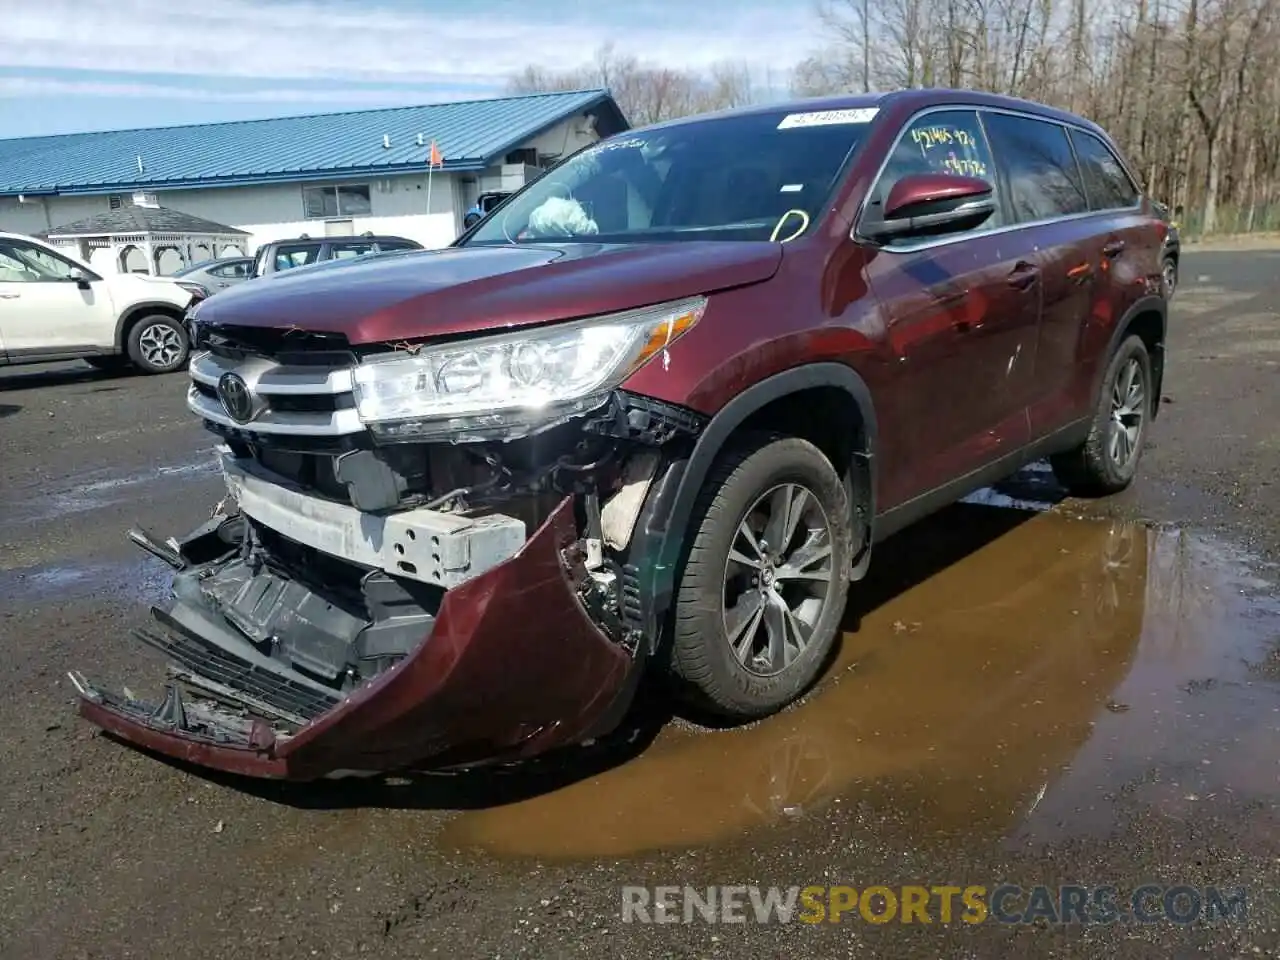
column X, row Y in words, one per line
column 1128, row 410
column 1170, row 278
column 777, row 578
column 160, row 345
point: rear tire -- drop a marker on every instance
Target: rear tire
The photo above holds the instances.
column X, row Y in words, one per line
column 1169, row 277
column 785, row 598
column 158, row 344
column 1108, row 459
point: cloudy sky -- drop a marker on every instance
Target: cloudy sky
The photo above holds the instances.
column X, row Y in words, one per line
column 69, row 65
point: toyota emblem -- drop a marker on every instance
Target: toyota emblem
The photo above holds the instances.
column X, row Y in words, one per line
column 234, row 395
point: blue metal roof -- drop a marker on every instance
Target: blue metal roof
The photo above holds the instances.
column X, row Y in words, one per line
column 469, row 135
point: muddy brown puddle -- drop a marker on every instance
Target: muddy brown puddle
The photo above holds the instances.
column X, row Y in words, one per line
column 1027, row 675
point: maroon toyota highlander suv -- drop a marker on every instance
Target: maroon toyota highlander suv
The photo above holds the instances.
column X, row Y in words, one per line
column 651, row 415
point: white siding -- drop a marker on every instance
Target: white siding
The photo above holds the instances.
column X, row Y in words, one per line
column 275, row 212
column 398, row 207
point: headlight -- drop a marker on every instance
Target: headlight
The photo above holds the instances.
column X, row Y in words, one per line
column 525, row 378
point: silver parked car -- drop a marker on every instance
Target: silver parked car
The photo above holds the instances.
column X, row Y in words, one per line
column 215, row 275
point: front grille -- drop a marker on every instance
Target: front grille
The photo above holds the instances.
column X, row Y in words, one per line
column 288, row 399
column 290, row 403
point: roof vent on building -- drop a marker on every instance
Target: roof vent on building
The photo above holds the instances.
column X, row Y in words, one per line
column 145, row 200
column 386, row 141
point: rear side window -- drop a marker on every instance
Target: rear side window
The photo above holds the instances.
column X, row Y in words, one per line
column 387, row 245
column 1105, row 180
column 288, row 257
column 1044, row 181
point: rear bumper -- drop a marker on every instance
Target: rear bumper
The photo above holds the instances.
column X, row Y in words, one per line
column 513, row 666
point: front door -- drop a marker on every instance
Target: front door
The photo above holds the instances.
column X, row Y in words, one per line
column 44, row 310
column 962, row 313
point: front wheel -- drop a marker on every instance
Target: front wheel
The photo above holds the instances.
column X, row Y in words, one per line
column 1107, row 461
column 158, row 344
column 763, row 588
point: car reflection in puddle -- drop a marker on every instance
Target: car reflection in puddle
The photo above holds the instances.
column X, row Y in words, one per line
column 1012, row 690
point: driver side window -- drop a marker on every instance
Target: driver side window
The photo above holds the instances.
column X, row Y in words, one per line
column 944, row 142
column 26, row 263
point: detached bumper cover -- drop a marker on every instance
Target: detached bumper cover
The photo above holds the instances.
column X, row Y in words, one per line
column 513, row 667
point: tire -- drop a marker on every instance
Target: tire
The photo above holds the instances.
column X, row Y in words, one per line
column 703, row 663
column 1098, row 467
column 158, row 344
column 1169, row 277
column 112, row 364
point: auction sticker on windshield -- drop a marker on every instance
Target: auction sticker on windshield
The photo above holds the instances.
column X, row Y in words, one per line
column 822, row 118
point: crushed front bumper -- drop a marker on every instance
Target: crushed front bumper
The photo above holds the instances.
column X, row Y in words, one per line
column 512, row 666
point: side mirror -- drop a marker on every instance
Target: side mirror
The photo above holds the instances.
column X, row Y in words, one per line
column 81, row 278
column 921, row 205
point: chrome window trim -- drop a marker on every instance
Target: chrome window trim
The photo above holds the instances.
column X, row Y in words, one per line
column 980, row 109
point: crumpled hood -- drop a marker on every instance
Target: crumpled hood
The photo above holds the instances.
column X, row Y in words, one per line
column 403, row 296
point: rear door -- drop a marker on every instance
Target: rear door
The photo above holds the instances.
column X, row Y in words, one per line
column 962, row 312
column 1047, row 197
column 1127, row 254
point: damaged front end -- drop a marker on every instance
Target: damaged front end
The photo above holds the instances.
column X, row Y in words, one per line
column 361, row 604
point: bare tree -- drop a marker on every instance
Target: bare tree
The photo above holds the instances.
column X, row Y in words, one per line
column 1189, row 88
column 647, row 93
column 1186, row 86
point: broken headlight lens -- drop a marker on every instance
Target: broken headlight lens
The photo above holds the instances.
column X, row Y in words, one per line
column 514, row 380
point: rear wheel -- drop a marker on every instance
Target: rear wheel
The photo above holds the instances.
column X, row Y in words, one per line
column 1107, row 461
column 158, row 344
column 763, row 588
column 1169, row 276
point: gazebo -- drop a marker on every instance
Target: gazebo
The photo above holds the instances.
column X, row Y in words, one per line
column 147, row 238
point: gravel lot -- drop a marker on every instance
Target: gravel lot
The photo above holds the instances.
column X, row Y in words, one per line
column 1086, row 694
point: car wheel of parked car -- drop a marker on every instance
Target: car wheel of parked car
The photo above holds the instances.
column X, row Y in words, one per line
column 763, row 587
column 1169, row 275
column 1105, row 463
column 158, row 344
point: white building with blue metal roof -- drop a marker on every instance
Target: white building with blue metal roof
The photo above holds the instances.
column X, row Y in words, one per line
column 338, row 174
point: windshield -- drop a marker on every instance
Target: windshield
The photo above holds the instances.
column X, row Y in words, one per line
column 753, row 177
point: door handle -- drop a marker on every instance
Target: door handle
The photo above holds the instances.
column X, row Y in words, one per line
column 1023, row 275
column 9, row 296
column 1081, row 273
column 1113, row 249
column 950, row 297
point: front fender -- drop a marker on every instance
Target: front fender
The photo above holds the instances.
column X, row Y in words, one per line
column 657, row 547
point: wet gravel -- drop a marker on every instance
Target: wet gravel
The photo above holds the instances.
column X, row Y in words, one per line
column 1088, row 695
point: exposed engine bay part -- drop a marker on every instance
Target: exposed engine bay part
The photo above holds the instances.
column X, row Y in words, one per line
column 423, row 545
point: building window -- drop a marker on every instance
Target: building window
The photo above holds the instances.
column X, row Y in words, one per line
column 347, row 200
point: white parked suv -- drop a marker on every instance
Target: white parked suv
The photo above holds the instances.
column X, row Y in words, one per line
column 56, row 307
